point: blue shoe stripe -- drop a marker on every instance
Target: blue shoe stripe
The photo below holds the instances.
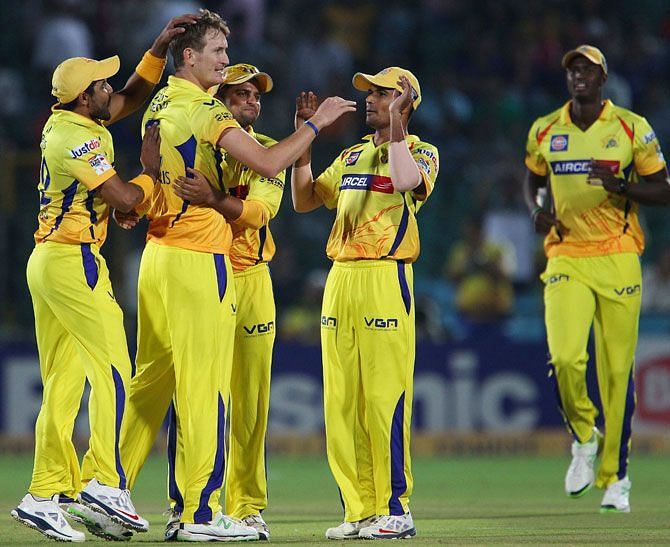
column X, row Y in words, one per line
column 40, row 523
column 111, row 512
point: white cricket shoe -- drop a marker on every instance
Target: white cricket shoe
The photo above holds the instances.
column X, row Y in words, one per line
column 114, row 502
column 220, row 528
column 256, row 522
column 46, row 517
column 172, row 524
column 349, row 530
column 616, row 498
column 580, row 476
column 390, row 527
column 98, row 524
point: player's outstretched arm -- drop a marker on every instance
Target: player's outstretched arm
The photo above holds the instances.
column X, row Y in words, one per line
column 148, row 72
column 268, row 162
column 405, row 175
column 125, row 197
column 304, row 197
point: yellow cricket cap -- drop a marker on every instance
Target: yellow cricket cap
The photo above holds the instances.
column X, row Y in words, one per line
column 592, row 53
column 388, row 78
column 240, row 73
column 74, row 75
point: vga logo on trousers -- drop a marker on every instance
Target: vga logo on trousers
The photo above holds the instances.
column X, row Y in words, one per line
column 260, row 328
column 328, row 322
column 377, row 323
column 628, row 291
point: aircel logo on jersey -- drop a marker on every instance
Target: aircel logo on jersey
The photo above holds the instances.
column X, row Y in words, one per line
column 580, row 167
column 375, row 183
column 558, row 143
column 377, row 323
column 88, row 146
column 260, row 328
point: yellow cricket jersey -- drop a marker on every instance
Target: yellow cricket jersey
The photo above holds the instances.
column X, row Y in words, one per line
column 373, row 221
column 252, row 246
column 191, row 122
column 597, row 223
column 77, row 157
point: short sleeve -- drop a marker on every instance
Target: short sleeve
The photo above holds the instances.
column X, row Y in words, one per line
column 268, row 191
column 428, row 161
column 534, row 159
column 210, row 119
column 647, row 153
column 91, row 169
column 327, row 184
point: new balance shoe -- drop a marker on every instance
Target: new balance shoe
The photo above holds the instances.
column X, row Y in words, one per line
column 580, row 476
column 172, row 524
column 257, row 523
column 390, row 527
column 113, row 502
column 220, row 528
column 616, row 498
column 349, row 530
column 98, row 524
column 46, row 517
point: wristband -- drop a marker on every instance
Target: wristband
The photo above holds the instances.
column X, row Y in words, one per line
column 145, row 182
column 151, row 67
column 313, row 126
column 536, row 211
column 623, row 187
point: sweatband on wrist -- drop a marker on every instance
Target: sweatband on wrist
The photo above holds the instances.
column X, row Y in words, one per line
column 253, row 215
column 313, row 126
column 145, row 182
column 151, row 67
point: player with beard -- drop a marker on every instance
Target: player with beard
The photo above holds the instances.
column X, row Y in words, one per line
column 78, row 324
column 598, row 162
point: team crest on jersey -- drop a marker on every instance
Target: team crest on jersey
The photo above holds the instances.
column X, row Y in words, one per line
column 352, row 158
column 610, row 142
column 558, row 143
column 100, row 164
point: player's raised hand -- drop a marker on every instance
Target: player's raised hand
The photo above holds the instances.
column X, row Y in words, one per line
column 403, row 100
column 331, row 109
column 150, row 155
column 602, row 174
column 195, row 189
column 305, row 107
column 175, row 26
column 126, row 220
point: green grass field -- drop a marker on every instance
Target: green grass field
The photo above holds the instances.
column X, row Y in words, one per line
column 473, row 500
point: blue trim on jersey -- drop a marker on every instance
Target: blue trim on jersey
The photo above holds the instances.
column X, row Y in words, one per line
column 173, row 488
column 262, row 234
column 204, row 512
column 626, row 429
column 120, row 406
column 221, row 274
column 553, row 379
column 398, row 479
column 218, row 159
column 68, row 199
column 402, row 228
column 404, row 287
column 187, row 152
column 90, row 265
column 91, row 211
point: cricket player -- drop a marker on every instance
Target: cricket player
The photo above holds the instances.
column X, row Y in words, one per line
column 598, row 162
column 79, row 325
column 367, row 323
column 186, row 291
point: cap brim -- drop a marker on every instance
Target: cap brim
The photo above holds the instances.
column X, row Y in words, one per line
column 364, row 82
column 264, row 81
column 570, row 55
column 106, row 68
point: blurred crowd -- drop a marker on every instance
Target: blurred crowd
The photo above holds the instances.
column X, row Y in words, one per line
column 486, row 72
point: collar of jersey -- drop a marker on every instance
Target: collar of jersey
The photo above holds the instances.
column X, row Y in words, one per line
column 176, row 81
column 410, row 139
column 73, row 117
column 605, row 114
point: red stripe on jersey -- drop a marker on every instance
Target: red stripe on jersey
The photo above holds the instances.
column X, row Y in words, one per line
column 627, row 129
column 542, row 134
column 382, row 184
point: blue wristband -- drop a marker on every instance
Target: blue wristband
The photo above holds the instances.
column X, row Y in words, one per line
column 314, row 127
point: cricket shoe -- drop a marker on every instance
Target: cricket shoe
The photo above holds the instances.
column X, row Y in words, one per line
column 580, row 476
column 220, row 528
column 172, row 524
column 390, row 527
column 256, row 522
column 349, row 530
column 616, row 498
column 115, row 503
column 98, row 524
column 47, row 518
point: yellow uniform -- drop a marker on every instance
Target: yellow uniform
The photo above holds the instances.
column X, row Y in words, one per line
column 79, row 325
column 367, row 326
column 186, row 308
column 252, row 248
column 593, row 272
